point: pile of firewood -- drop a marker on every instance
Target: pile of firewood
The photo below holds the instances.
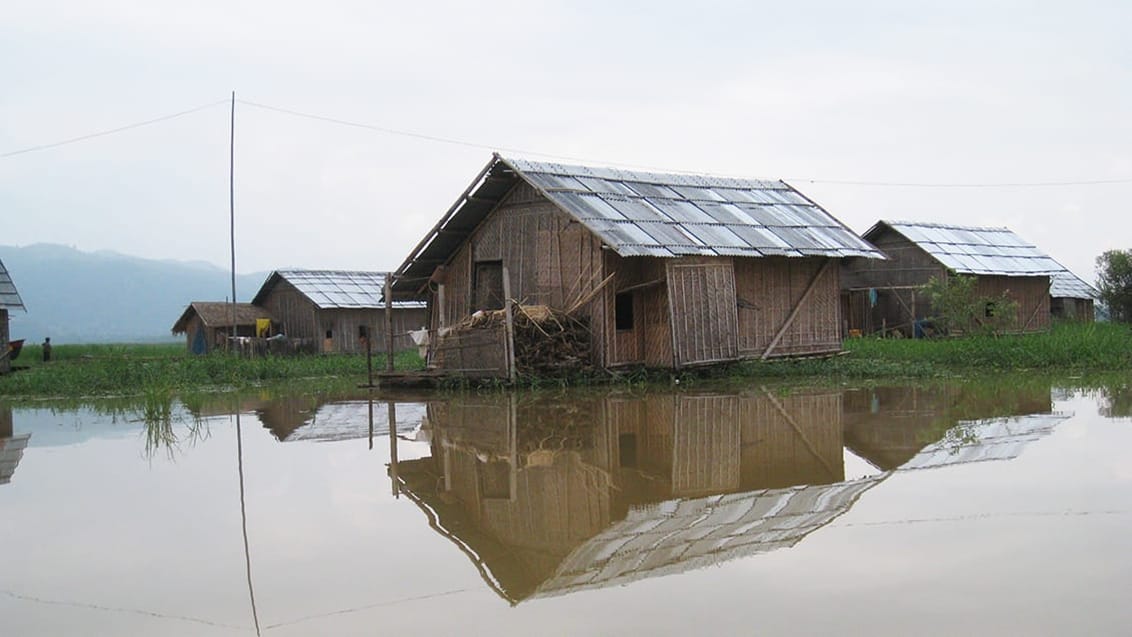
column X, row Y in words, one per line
column 549, row 342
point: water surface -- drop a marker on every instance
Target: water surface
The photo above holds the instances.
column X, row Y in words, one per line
column 780, row 510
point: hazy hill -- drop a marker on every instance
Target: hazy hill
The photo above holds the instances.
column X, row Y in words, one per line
column 97, row 297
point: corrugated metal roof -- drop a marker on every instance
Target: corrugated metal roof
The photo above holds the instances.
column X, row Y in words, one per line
column 665, row 215
column 336, row 289
column 9, row 297
column 648, row 214
column 1066, row 285
column 974, row 250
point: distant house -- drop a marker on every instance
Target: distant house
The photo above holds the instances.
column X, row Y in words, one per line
column 9, row 300
column 885, row 295
column 338, row 309
column 207, row 324
column 1071, row 298
column 669, row 270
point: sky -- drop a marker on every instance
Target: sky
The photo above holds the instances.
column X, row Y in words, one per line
column 958, row 112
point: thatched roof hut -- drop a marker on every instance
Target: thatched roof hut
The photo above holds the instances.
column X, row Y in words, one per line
column 206, row 324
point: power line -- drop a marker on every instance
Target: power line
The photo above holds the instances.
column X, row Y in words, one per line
column 811, row 180
column 111, row 131
column 1017, row 184
column 413, row 134
column 471, row 144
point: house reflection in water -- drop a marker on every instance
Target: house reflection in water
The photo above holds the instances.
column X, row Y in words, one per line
column 11, row 446
column 303, row 418
column 549, row 497
column 552, row 497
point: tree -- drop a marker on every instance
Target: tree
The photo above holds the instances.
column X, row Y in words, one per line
column 958, row 308
column 1115, row 283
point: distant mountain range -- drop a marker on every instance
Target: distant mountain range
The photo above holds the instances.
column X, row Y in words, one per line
column 106, row 297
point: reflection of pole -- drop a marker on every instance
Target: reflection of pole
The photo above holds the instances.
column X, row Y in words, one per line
column 244, row 519
column 371, row 419
column 393, row 448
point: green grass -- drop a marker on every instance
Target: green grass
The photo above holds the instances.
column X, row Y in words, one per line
column 90, row 370
column 1074, row 348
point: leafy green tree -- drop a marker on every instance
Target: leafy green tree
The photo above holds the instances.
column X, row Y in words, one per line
column 958, row 308
column 1115, row 283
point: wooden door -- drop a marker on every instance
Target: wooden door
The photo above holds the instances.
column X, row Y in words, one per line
column 705, row 320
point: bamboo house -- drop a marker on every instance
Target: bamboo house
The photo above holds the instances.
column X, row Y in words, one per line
column 663, row 270
column 886, row 296
column 338, row 311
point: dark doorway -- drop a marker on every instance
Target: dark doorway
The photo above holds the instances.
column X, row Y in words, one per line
column 487, row 286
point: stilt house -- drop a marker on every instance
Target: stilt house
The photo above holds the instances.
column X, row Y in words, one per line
column 1071, row 298
column 886, row 295
column 667, row 270
column 9, row 300
column 338, row 310
column 207, row 324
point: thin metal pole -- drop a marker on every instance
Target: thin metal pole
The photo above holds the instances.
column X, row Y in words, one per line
column 232, row 208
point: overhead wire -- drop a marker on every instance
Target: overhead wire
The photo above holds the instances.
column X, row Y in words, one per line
column 112, row 131
column 506, row 149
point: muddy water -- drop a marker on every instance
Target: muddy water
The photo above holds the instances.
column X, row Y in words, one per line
column 775, row 510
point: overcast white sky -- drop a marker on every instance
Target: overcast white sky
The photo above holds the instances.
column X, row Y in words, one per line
column 812, row 92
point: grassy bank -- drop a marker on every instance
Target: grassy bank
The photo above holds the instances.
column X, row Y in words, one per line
column 1071, row 348
column 86, row 370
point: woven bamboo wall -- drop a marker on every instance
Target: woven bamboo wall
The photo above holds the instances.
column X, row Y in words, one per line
column 768, row 289
column 907, row 265
column 479, row 352
column 551, row 259
column 293, row 310
column 1030, row 292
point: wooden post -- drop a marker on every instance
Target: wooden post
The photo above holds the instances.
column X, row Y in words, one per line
column 369, row 365
column 393, row 448
column 440, row 321
column 388, row 323
column 510, row 326
column 232, row 214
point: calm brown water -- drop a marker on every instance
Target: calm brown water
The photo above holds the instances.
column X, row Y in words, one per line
column 893, row 510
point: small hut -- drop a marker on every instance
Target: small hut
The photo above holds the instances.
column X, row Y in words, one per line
column 9, row 300
column 885, row 296
column 206, row 324
column 340, row 310
column 1072, row 299
column 665, row 270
